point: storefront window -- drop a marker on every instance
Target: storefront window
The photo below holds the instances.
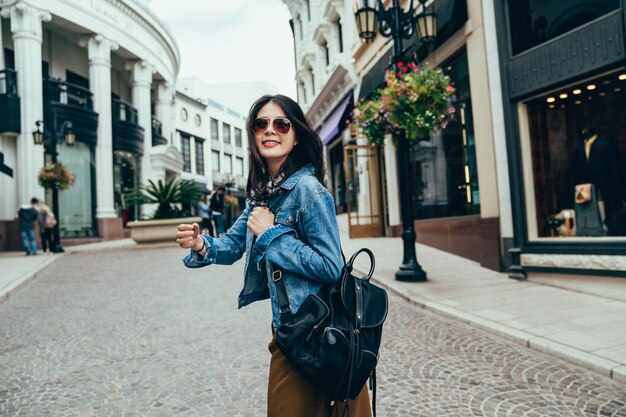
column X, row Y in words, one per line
column 76, row 204
column 536, row 21
column 126, row 177
column 445, row 180
column 577, row 151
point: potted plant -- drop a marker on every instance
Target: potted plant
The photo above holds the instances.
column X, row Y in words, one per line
column 173, row 200
column 55, row 175
column 415, row 100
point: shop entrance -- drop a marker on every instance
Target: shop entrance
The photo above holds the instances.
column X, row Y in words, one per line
column 362, row 173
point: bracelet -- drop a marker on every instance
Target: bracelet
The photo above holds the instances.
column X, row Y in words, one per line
column 203, row 246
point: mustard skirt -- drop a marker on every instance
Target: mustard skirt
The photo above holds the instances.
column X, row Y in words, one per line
column 290, row 395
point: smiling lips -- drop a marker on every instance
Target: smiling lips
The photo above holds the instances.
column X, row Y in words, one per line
column 270, row 143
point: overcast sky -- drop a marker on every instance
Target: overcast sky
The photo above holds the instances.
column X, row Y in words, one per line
column 232, row 40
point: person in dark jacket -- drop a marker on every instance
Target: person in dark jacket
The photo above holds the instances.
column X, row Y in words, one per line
column 217, row 210
column 27, row 215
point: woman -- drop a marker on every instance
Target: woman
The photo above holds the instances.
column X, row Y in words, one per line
column 47, row 221
column 290, row 224
column 203, row 210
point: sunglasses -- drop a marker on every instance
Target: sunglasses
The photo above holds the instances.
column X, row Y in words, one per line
column 281, row 125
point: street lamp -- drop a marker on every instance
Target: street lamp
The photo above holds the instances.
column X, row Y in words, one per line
column 397, row 24
column 49, row 142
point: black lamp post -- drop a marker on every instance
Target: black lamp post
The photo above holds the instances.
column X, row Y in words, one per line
column 397, row 24
column 49, row 142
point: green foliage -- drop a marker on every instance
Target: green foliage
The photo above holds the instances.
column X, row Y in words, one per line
column 169, row 197
column 416, row 100
column 373, row 120
column 55, row 175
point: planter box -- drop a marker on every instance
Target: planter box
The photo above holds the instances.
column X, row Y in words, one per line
column 154, row 231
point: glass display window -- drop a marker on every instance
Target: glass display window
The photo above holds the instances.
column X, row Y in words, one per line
column 574, row 156
column 445, row 169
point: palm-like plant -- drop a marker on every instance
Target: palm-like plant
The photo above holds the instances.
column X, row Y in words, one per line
column 166, row 195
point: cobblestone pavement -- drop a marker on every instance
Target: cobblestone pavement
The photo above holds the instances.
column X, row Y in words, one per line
column 134, row 333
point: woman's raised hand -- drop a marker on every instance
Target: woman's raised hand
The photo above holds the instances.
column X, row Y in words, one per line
column 187, row 236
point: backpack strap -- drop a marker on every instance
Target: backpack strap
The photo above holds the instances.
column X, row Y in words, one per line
column 281, row 294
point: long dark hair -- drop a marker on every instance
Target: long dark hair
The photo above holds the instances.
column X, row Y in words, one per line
column 308, row 150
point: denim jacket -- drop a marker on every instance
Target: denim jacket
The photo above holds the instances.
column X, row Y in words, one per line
column 303, row 243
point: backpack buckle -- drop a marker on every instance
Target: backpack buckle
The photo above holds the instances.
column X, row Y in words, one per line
column 277, row 275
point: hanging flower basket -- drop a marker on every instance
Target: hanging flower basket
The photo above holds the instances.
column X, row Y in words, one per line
column 416, row 100
column 372, row 119
column 56, row 175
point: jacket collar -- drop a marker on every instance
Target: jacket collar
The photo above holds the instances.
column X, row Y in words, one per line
column 291, row 182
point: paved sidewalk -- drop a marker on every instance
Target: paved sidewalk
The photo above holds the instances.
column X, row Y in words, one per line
column 584, row 329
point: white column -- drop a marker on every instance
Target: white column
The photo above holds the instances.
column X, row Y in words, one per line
column 26, row 27
column 142, row 80
column 99, row 50
column 163, row 109
column 393, row 190
column 1, row 48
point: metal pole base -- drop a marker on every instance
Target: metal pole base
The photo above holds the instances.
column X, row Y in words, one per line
column 411, row 273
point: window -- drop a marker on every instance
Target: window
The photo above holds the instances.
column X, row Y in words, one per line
column 576, row 154
column 226, row 132
column 238, row 142
column 339, row 35
column 186, row 151
column 312, row 81
column 198, row 120
column 327, row 53
column 215, row 161
column 228, row 164
column 239, row 166
column 445, row 174
column 183, row 114
column 308, row 9
column 199, row 157
column 533, row 22
column 303, row 89
column 215, row 129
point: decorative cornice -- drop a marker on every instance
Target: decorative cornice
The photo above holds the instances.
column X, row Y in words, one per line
column 335, row 88
column 333, row 9
column 321, row 33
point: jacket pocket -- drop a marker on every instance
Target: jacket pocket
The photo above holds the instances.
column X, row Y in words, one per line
column 287, row 216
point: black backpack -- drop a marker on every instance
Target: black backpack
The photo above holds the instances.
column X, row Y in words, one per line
column 334, row 338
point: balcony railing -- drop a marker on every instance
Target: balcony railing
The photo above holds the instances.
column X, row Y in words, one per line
column 67, row 93
column 124, row 111
column 157, row 133
column 8, row 82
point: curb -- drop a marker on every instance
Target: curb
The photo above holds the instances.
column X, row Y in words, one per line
column 25, row 279
column 587, row 360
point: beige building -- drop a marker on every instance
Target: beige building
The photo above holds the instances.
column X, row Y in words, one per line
column 460, row 184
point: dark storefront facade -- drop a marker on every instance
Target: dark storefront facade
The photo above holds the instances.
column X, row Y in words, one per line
column 564, row 92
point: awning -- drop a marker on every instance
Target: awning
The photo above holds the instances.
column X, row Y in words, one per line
column 330, row 128
column 376, row 76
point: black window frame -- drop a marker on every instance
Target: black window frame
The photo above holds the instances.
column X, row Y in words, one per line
column 226, row 128
column 185, row 150
column 219, row 163
column 199, row 148
column 215, row 129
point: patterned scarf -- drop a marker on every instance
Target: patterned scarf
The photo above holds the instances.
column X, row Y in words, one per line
column 270, row 188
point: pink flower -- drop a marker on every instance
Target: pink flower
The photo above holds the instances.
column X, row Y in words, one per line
column 400, row 64
column 450, row 89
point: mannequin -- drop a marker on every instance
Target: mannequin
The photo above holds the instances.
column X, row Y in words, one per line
column 595, row 164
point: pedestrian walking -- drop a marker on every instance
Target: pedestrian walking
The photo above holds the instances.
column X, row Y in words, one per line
column 217, row 210
column 206, row 225
column 289, row 225
column 27, row 215
column 47, row 221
